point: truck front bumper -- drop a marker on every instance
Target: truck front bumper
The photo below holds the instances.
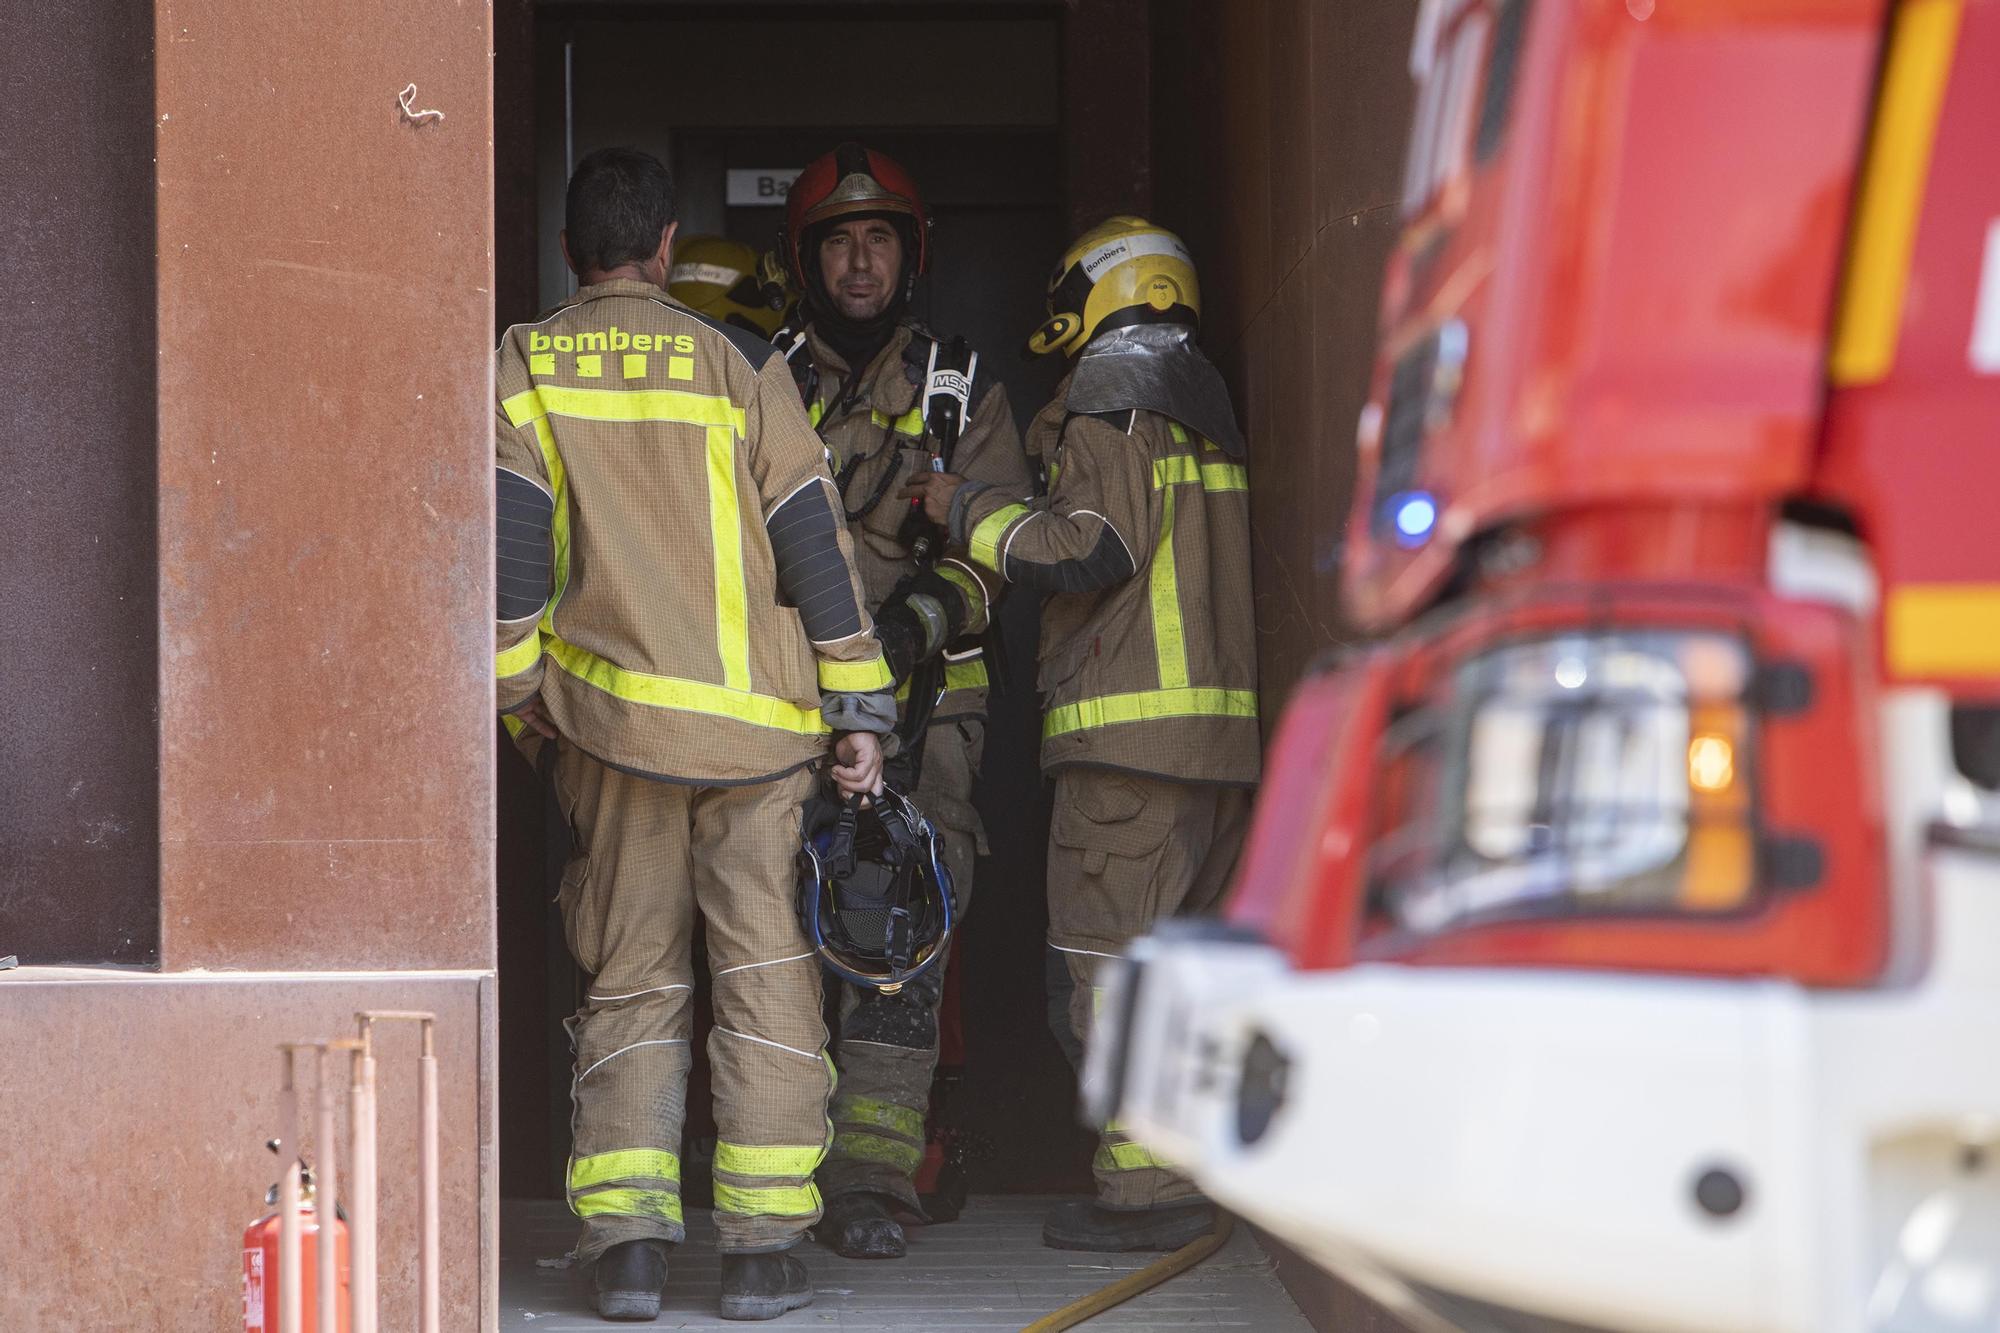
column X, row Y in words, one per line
column 1614, row 1150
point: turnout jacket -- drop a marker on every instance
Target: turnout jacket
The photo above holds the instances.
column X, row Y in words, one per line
column 701, row 597
column 873, row 426
column 1142, row 548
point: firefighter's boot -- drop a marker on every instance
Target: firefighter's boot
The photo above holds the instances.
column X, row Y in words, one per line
column 628, row 1278
column 862, row 1226
column 763, row 1286
column 1085, row 1224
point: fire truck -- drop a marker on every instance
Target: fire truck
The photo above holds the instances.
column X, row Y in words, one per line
column 1618, row 943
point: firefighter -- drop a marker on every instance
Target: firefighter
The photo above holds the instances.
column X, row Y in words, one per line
column 1148, row 668
column 682, row 630
column 857, row 238
column 729, row 281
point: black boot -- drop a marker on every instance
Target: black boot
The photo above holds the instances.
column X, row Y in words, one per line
column 861, row 1226
column 628, row 1278
column 1081, row 1224
column 763, row 1286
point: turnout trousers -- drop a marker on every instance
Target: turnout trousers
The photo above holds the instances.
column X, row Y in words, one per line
column 1126, row 850
column 887, row 1045
column 645, row 857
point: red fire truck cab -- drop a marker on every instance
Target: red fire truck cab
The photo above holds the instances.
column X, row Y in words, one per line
column 1619, row 939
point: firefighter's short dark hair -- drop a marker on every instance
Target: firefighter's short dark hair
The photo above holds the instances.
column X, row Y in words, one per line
column 619, row 201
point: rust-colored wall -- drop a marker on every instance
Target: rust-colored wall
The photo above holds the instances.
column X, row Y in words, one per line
column 78, row 822
column 137, row 1108
column 1277, row 151
column 325, row 335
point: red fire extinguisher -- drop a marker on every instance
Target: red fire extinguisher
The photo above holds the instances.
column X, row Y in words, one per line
column 260, row 1268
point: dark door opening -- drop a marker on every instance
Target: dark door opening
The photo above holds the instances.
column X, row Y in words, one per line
column 968, row 99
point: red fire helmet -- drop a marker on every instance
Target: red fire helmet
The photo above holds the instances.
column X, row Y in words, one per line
column 853, row 180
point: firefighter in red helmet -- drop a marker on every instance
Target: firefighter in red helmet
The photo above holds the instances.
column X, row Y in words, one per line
column 892, row 398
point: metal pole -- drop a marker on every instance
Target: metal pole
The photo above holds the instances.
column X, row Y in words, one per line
column 291, row 1302
column 427, row 1166
column 361, row 1208
column 326, row 1195
column 429, row 1304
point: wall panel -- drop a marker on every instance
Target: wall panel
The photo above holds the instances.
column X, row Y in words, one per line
column 78, row 753
column 325, row 483
column 1280, row 166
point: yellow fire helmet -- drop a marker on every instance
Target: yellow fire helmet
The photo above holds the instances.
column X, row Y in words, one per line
column 1125, row 270
column 721, row 279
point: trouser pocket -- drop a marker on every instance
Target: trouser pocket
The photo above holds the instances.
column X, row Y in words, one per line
column 1106, row 844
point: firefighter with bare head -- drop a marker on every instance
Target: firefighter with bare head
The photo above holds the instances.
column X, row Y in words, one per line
column 1140, row 549
column 682, row 640
column 891, row 398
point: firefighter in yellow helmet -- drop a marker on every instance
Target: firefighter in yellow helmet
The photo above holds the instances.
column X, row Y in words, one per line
column 892, row 398
column 682, row 639
column 728, row 281
column 1141, row 551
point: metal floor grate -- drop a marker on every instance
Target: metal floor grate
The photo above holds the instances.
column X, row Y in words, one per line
column 987, row 1270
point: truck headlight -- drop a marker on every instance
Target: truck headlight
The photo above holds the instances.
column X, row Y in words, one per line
column 1586, row 772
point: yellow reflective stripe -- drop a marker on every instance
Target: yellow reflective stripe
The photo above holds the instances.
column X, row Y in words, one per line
column 552, row 462
column 782, row 1159
column 814, row 413
column 855, row 677
column 1148, row 706
column 984, row 546
column 910, row 423
column 1942, row 629
column 1891, row 194
column 1126, row 1157
column 663, row 1204
column 975, row 593
column 690, row 696
column 1055, row 474
column 966, row 675
column 1169, row 637
column 857, row 1146
column 675, row 405
column 725, row 525
column 515, row 726
column 513, row 661
column 775, row 1201
column 1175, row 469
column 873, row 1111
column 1178, row 431
column 624, row 1164
column 521, row 409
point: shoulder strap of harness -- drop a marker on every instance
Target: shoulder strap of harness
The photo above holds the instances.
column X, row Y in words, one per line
column 792, row 346
column 945, row 370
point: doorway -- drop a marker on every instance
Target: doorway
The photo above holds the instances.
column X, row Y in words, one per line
column 967, row 97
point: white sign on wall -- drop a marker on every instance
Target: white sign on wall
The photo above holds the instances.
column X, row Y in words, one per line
column 752, row 187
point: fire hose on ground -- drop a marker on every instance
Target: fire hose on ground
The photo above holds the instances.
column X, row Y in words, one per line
column 1132, row 1284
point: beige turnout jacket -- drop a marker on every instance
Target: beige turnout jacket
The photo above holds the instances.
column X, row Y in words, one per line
column 1142, row 547
column 703, row 599
column 875, row 432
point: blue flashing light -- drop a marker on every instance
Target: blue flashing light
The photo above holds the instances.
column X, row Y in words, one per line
column 1415, row 514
